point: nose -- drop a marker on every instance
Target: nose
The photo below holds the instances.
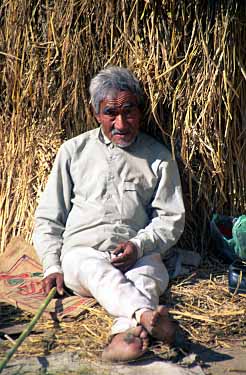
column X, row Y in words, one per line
column 120, row 122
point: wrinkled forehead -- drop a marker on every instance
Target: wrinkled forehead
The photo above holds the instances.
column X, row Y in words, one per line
column 117, row 98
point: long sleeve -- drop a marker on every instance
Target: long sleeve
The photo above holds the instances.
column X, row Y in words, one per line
column 99, row 195
column 52, row 211
column 167, row 214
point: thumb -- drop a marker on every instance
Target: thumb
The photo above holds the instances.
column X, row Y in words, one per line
column 120, row 249
column 59, row 284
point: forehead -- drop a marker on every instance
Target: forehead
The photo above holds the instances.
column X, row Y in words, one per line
column 119, row 99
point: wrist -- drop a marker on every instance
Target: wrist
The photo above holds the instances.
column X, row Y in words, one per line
column 137, row 243
column 52, row 269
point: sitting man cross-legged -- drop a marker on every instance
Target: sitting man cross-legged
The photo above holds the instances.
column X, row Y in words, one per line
column 111, row 209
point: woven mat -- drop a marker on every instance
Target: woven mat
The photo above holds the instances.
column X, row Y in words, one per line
column 21, row 286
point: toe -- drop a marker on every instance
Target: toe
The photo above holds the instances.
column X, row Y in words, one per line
column 136, row 331
column 126, row 346
column 155, row 317
column 143, row 334
column 145, row 344
column 162, row 310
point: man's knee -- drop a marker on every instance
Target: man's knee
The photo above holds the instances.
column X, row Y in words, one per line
column 151, row 272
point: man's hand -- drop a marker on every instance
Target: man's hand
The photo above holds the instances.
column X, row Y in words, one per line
column 54, row 279
column 126, row 255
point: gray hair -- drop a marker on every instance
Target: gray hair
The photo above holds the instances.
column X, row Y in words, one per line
column 111, row 79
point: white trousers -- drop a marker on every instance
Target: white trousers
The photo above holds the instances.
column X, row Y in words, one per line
column 88, row 272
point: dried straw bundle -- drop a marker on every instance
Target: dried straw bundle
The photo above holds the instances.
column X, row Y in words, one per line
column 208, row 312
column 190, row 57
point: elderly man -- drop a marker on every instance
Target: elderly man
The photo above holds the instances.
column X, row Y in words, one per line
column 111, row 208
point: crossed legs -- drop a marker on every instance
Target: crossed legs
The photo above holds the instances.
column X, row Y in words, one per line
column 89, row 273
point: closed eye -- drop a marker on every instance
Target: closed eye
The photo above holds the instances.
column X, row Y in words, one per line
column 129, row 111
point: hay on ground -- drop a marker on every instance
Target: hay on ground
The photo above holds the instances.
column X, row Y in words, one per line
column 206, row 312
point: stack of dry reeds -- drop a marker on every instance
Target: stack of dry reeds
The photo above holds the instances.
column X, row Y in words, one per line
column 190, row 56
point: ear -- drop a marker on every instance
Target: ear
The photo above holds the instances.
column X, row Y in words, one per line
column 98, row 117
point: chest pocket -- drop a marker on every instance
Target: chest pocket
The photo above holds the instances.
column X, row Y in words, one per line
column 134, row 205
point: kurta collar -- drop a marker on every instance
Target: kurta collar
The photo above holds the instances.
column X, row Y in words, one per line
column 103, row 138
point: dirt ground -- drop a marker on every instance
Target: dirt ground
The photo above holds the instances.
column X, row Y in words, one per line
column 201, row 360
column 45, row 350
column 218, row 361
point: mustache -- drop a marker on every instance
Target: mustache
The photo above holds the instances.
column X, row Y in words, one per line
column 117, row 132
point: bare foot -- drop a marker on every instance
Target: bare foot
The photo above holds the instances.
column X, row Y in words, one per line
column 127, row 345
column 159, row 325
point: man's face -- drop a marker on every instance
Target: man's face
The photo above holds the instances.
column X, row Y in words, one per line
column 120, row 117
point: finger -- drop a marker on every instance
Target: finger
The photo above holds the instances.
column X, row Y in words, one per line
column 123, row 268
column 48, row 286
column 119, row 259
column 128, row 263
column 122, row 264
column 118, row 265
column 59, row 284
column 44, row 285
column 119, row 250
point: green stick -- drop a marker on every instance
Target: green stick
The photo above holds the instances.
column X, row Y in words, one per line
column 28, row 329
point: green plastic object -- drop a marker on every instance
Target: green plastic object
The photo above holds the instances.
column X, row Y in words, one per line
column 239, row 236
column 229, row 236
column 221, row 233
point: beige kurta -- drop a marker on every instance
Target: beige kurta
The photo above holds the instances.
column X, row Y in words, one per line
column 99, row 194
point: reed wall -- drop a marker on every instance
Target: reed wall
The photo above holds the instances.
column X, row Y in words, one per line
column 191, row 59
